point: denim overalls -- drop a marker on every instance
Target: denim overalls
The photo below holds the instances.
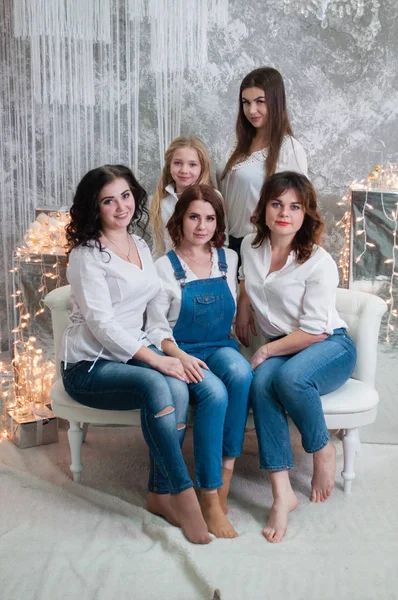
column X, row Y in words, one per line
column 207, row 311
column 221, row 399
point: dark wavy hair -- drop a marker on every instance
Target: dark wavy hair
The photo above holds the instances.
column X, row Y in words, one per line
column 310, row 233
column 270, row 81
column 198, row 192
column 85, row 224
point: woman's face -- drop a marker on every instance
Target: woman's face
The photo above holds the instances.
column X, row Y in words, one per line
column 284, row 215
column 116, row 205
column 255, row 107
column 199, row 223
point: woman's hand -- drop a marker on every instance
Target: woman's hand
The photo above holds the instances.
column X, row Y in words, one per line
column 193, row 368
column 244, row 320
column 170, row 366
column 259, row 357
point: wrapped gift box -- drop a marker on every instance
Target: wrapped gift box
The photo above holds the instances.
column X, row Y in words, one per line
column 34, row 429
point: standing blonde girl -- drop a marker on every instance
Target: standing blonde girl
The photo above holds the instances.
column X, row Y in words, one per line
column 264, row 145
column 186, row 162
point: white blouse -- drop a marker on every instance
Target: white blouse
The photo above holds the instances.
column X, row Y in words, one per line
column 242, row 185
column 167, row 206
column 109, row 298
column 164, row 310
column 298, row 296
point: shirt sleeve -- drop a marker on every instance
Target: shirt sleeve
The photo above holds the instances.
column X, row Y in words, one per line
column 320, row 298
column 241, row 271
column 293, row 158
column 87, row 276
column 157, row 326
column 232, row 262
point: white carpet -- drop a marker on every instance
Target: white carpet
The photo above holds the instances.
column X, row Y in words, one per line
column 60, row 540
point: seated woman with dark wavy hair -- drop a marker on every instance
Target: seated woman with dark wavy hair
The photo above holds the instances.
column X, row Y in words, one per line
column 290, row 282
column 107, row 363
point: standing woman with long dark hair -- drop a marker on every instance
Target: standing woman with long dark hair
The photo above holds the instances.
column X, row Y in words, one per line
column 264, row 145
column 106, row 360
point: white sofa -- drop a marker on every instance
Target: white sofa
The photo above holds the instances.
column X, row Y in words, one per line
column 347, row 409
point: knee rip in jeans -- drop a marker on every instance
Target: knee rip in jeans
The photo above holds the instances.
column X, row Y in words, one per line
column 166, row 411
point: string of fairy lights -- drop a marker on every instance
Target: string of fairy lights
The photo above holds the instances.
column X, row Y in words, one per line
column 32, row 375
column 381, row 180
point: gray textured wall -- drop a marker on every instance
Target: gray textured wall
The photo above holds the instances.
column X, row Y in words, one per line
column 342, row 94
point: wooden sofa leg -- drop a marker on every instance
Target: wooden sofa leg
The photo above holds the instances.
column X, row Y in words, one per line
column 350, row 448
column 75, row 436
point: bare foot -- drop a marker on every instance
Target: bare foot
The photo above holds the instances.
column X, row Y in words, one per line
column 213, row 514
column 324, row 473
column 276, row 526
column 186, row 507
column 223, row 491
column 160, row 505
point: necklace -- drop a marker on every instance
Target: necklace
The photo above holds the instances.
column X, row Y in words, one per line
column 201, row 264
column 127, row 256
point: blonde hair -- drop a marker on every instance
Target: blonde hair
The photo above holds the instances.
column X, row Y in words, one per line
column 155, row 211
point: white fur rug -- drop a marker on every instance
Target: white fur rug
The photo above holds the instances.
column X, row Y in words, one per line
column 95, row 541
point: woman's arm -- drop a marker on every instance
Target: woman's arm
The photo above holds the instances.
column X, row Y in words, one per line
column 192, row 366
column 314, row 323
column 244, row 316
column 87, row 276
column 290, row 344
column 164, row 364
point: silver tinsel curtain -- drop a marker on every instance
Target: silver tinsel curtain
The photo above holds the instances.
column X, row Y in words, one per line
column 69, row 96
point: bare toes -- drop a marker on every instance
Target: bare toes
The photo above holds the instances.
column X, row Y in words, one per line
column 268, row 534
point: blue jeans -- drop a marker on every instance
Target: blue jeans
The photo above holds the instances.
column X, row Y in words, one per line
column 293, row 384
column 132, row 386
column 221, row 406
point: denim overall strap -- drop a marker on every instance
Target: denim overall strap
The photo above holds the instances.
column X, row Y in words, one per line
column 179, row 272
column 207, row 309
column 222, row 262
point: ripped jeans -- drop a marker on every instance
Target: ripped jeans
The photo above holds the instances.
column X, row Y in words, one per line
column 129, row 386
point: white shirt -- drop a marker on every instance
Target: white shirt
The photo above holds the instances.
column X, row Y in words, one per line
column 167, row 206
column 298, row 296
column 242, row 185
column 109, row 297
column 164, row 310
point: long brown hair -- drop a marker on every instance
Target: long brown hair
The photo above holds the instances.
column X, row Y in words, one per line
column 310, row 233
column 269, row 80
column 198, row 192
column 155, row 210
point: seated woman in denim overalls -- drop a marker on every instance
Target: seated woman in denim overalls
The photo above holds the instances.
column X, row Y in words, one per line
column 191, row 319
column 290, row 282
